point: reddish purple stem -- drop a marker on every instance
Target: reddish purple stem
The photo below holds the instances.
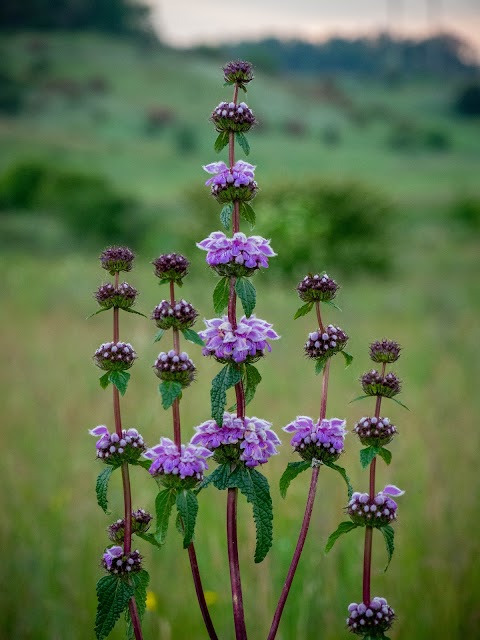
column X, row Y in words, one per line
column 235, row 581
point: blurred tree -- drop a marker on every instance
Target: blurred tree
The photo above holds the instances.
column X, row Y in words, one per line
column 467, row 102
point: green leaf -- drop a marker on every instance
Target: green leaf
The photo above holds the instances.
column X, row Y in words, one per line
column 385, row 454
column 348, row 358
column 248, row 214
column 303, row 310
column 138, row 313
column 150, row 538
column 332, row 304
column 243, row 142
column 226, row 215
column 221, row 295
column 187, row 505
column 292, row 471
column 221, row 141
column 95, row 313
column 163, row 508
column 179, row 524
column 113, row 595
column 254, row 487
column 247, row 294
column 159, row 335
column 320, row 365
column 120, row 380
column 388, row 536
column 228, row 377
column 367, row 455
column 170, row 391
column 343, row 527
column 105, row 380
column 219, row 477
column 400, row 403
column 359, row 398
column 192, row 336
column 343, row 473
column 146, row 464
column 139, row 581
column 102, row 487
column 252, row 380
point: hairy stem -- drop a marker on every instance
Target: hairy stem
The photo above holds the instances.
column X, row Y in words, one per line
column 200, row 594
column 296, row 556
column 235, row 581
column 319, row 316
column 323, row 402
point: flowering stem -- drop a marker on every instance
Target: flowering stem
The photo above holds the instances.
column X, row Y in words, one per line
column 232, row 304
column 296, row 556
column 200, row 594
column 323, row 403
column 235, row 581
column 319, row 317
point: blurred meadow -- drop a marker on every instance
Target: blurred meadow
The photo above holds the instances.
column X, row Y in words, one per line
column 372, row 178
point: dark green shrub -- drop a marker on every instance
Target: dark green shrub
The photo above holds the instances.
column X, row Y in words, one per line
column 466, row 212
column 467, row 102
column 19, row 185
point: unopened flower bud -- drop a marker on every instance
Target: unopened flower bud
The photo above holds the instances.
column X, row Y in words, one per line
column 238, row 72
column 114, row 450
column 171, row 266
column 140, row 524
column 370, row 619
column 232, row 117
column 375, row 432
column 122, row 297
column 385, row 351
column 114, row 356
column 116, row 259
column 181, row 315
column 119, row 563
column 380, row 511
column 323, row 344
column 175, row 367
column 374, row 384
column 317, row 287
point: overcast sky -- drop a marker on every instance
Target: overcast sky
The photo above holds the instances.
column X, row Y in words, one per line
column 185, row 22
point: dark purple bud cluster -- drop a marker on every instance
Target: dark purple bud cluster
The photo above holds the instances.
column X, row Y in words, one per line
column 175, row 367
column 114, row 356
column 385, row 351
column 325, row 344
column 238, row 72
column 181, row 316
column 317, row 287
column 115, row 259
column 372, row 513
column 119, row 563
column 374, row 384
column 122, row 297
column 229, row 116
column 141, row 520
column 371, row 619
column 229, row 192
column 374, row 432
column 171, row 266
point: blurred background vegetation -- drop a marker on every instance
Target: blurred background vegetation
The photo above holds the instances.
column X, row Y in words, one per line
column 368, row 165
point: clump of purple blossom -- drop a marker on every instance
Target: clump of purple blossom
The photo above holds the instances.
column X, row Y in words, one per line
column 375, row 432
column 246, row 343
column 236, row 256
column 175, row 367
column 377, row 512
column 114, row 356
column 317, row 287
column 119, row 563
column 250, row 440
column 115, row 259
column 228, row 185
column 322, row 440
column 171, row 267
column 181, row 315
column 323, row 344
column 169, row 464
column 385, row 351
column 113, row 449
column 374, row 384
column 370, row 619
column 238, row 72
column 141, row 521
column 228, row 116
column 122, row 296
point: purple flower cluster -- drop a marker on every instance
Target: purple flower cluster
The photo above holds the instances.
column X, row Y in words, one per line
column 238, row 72
column 248, row 439
column 246, row 343
column 114, row 356
column 323, row 344
column 141, row 520
column 321, row 440
column 123, row 296
column 317, row 287
column 171, row 266
column 181, row 315
column 229, row 116
column 175, row 367
column 371, row 619
column 237, row 256
column 377, row 512
column 115, row 259
column 112, row 449
column 374, row 384
column 235, row 184
column 375, row 432
column 385, row 351
column 120, row 563
column 169, row 463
